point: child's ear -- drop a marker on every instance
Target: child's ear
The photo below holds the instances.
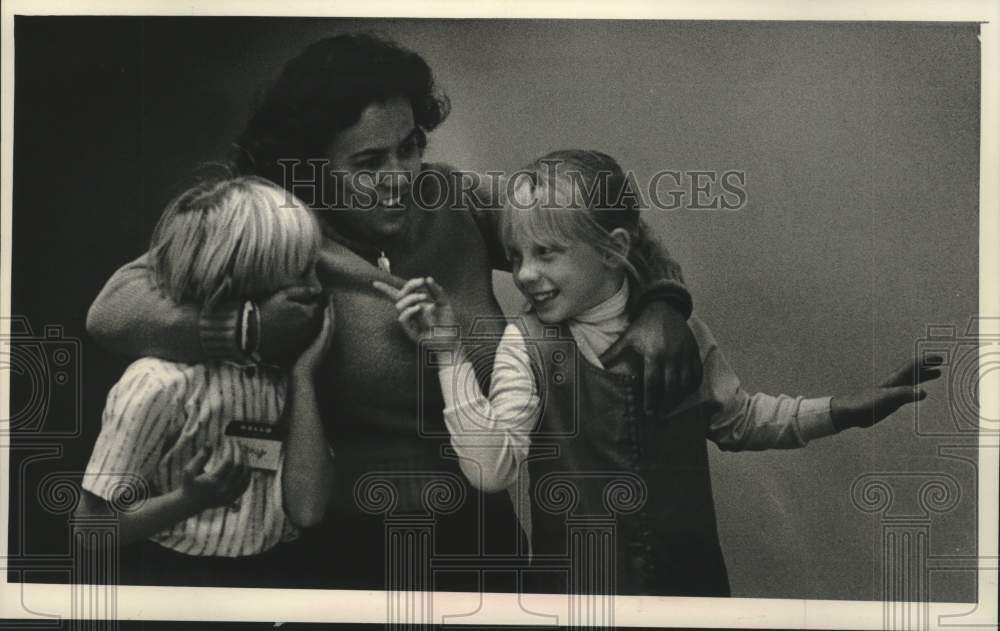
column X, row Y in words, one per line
column 621, row 241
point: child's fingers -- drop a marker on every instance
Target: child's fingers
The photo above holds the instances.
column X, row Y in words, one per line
column 905, row 374
column 930, row 367
column 223, row 471
column 427, row 310
column 321, row 343
column 411, row 286
column 407, row 301
column 436, row 291
column 196, row 464
column 328, row 316
column 915, row 371
column 889, row 400
column 391, row 292
column 409, row 313
column 900, row 376
column 408, row 288
column 932, row 359
column 219, row 454
column 903, row 394
column 240, row 483
column 226, row 461
column 301, row 293
column 235, row 483
column 328, row 321
column 239, row 456
column 927, row 374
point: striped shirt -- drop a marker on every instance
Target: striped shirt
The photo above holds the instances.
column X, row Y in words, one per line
column 159, row 415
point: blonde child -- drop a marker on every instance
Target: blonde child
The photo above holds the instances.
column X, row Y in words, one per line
column 232, row 459
column 576, row 441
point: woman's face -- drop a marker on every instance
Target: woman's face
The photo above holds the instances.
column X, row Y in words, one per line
column 373, row 164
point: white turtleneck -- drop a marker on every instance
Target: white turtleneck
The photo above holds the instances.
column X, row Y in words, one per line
column 597, row 328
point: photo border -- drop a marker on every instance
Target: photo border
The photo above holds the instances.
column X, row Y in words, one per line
column 23, row 600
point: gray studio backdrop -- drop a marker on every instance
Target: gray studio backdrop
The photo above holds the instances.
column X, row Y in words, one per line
column 860, row 145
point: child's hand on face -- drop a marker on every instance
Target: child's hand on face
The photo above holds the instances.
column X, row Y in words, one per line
column 310, row 360
column 288, row 323
column 219, row 485
column 422, row 305
column 866, row 408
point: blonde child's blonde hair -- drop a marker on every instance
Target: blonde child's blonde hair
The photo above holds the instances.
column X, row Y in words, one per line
column 582, row 196
column 237, row 237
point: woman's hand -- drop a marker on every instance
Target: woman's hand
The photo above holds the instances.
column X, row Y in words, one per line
column 220, row 485
column 308, row 363
column 671, row 360
column 423, row 306
column 866, row 408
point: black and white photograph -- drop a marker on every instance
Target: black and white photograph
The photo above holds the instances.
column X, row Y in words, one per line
column 487, row 318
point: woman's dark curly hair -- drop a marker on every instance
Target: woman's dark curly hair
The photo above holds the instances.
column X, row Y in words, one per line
column 324, row 91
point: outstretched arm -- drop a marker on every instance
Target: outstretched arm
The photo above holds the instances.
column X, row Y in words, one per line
column 762, row 421
column 864, row 409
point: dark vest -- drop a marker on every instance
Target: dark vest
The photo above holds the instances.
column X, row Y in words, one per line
column 626, row 497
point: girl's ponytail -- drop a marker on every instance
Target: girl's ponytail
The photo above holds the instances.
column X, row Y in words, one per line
column 650, row 259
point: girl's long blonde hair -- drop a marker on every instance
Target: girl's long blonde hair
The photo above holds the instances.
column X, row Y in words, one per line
column 236, row 237
column 546, row 198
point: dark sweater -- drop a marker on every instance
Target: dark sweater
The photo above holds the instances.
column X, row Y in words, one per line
column 381, row 402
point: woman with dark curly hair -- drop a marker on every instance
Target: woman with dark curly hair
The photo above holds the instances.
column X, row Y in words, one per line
column 344, row 128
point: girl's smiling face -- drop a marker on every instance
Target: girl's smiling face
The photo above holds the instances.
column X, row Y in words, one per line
column 566, row 257
column 562, row 281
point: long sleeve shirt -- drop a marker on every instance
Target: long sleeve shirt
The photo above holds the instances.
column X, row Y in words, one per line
column 492, row 433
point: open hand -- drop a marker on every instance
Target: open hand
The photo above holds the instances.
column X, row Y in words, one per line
column 422, row 306
column 866, row 408
column 219, row 485
column 671, row 359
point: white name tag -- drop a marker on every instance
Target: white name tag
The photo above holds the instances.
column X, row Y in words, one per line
column 261, row 442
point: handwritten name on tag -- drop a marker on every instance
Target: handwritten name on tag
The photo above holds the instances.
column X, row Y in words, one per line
column 261, row 442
